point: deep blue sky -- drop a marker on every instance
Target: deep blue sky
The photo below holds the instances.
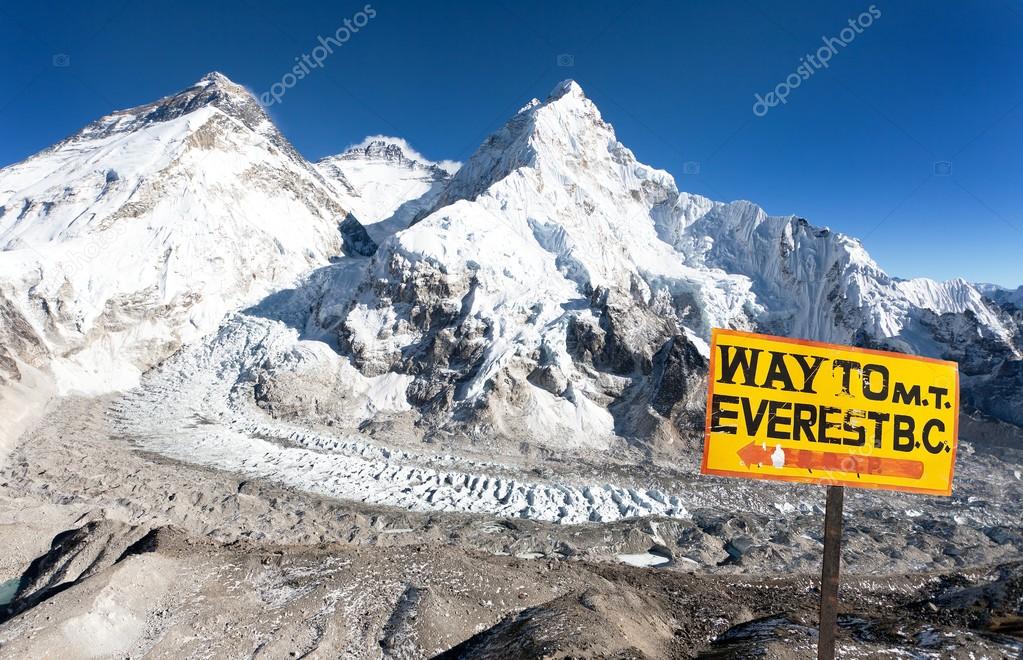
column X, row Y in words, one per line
column 853, row 148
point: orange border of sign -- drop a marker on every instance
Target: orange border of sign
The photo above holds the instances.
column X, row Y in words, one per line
column 716, row 332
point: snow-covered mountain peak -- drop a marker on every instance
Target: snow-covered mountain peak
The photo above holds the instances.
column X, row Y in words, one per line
column 568, row 108
column 567, row 87
column 214, row 92
column 380, row 150
column 213, row 89
column 216, row 78
column 385, row 182
column 394, row 150
column 564, row 138
column 142, row 230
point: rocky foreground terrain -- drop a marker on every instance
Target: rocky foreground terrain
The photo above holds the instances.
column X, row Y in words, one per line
column 118, row 552
column 379, row 406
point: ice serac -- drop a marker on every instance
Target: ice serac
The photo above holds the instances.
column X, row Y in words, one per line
column 385, row 183
column 138, row 233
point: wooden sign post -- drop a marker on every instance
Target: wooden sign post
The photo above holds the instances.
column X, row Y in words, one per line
column 795, row 410
column 828, row 625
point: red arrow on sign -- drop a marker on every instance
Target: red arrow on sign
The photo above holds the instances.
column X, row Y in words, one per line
column 753, row 454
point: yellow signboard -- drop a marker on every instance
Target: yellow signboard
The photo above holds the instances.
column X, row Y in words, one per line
column 796, row 410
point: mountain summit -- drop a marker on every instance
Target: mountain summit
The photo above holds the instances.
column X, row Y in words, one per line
column 213, row 90
column 385, row 182
column 139, row 232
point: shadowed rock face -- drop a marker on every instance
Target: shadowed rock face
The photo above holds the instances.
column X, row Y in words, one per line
column 17, row 338
column 624, row 338
column 74, row 555
column 356, row 239
column 676, row 383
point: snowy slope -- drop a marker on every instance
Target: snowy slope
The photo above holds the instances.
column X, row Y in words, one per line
column 385, row 183
column 138, row 233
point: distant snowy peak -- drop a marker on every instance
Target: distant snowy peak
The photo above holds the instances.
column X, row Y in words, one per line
column 379, row 150
column 396, row 151
column 1002, row 295
column 385, row 182
column 119, row 164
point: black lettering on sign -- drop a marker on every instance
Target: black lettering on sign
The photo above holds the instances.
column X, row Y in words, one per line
column 879, row 418
column 939, row 394
column 868, row 370
column 849, row 427
column 753, row 421
column 744, row 359
column 776, row 419
column 909, row 396
column 904, row 426
column 928, row 425
column 810, row 370
column 847, row 367
column 825, row 424
column 717, row 413
column 804, row 418
column 777, row 372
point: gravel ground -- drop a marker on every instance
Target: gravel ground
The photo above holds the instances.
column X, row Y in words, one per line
column 125, row 553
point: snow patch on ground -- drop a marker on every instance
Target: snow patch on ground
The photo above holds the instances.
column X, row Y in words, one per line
column 644, row 559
